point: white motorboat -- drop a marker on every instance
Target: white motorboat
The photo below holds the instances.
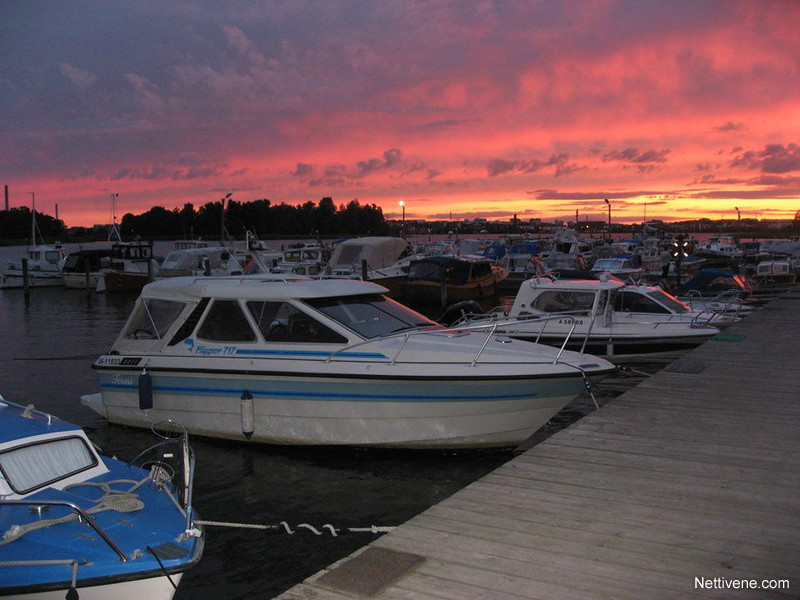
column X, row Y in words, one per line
column 624, row 266
column 549, row 310
column 720, row 248
column 303, row 259
column 325, row 362
column 44, row 268
column 78, row 524
column 44, row 264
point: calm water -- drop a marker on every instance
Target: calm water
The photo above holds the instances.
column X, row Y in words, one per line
column 46, row 350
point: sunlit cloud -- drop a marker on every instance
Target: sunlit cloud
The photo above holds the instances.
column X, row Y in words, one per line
column 474, row 108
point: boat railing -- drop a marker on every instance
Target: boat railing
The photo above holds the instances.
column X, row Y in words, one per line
column 82, row 514
column 490, row 328
column 173, row 434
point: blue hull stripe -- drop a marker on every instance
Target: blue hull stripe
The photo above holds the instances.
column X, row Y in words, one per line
column 322, row 396
column 245, row 352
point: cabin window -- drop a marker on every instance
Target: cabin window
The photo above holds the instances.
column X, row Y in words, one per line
column 637, row 303
column 481, row 269
column 52, row 257
column 152, row 318
column 225, row 322
column 284, row 322
column 371, row 315
column 36, row 465
column 573, row 302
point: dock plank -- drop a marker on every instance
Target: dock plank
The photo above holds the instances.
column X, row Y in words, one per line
column 687, row 475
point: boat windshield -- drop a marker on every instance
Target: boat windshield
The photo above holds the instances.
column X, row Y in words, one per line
column 671, row 302
column 371, row 315
column 36, row 465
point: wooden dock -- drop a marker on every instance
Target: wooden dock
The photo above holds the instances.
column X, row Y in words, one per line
column 687, row 486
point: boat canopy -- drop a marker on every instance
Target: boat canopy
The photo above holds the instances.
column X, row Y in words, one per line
column 379, row 252
column 459, row 270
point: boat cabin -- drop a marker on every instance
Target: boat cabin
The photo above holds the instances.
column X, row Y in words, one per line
column 575, row 297
column 235, row 316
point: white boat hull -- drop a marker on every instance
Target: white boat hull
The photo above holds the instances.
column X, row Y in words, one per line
column 13, row 279
column 155, row 588
column 413, row 413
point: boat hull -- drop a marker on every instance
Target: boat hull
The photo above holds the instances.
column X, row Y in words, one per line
column 77, row 281
column 407, row 412
column 154, row 588
column 12, row 278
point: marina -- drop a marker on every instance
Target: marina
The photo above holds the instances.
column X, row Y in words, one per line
column 297, row 495
column 685, row 486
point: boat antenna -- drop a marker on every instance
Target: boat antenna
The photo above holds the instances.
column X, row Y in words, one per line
column 114, row 231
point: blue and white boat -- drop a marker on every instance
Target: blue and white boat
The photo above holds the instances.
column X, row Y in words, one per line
column 75, row 524
column 300, row 361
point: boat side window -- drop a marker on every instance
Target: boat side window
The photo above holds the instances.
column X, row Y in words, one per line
column 225, row 322
column 152, row 318
column 481, row 269
column 36, row 465
column 52, row 257
column 284, row 322
column 561, row 301
column 639, row 303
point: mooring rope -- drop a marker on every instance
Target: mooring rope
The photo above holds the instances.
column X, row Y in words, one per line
column 76, row 357
column 122, row 501
column 288, row 529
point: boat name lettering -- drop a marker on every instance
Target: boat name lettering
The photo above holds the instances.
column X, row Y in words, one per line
column 570, row 321
column 118, row 380
column 228, row 350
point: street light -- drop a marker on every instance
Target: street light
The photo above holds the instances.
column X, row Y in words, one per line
column 222, row 219
column 609, row 213
column 403, row 206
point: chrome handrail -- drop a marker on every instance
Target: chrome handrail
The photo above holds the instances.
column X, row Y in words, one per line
column 81, row 513
column 456, row 329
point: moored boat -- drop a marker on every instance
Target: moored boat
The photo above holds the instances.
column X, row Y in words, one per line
column 449, row 279
column 582, row 314
column 299, row 361
column 78, row 524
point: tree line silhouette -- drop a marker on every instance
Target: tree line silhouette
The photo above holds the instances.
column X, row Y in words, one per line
column 259, row 216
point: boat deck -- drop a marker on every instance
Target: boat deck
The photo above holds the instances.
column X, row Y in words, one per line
column 682, row 487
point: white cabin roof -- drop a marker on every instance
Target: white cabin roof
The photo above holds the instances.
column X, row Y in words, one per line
column 574, row 284
column 257, row 287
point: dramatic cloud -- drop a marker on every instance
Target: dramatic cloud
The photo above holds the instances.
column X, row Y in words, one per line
column 460, row 104
column 774, row 158
column 499, row 166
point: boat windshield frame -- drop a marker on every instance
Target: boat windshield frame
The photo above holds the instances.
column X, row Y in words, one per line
column 370, row 315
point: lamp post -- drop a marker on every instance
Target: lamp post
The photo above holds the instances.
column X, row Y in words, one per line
column 222, row 218
column 403, row 228
column 609, row 214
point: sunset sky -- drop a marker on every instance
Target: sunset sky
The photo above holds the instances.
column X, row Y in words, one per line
column 671, row 110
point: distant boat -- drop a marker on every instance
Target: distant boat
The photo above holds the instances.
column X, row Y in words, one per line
column 448, row 279
column 382, row 259
column 84, row 265
column 44, row 264
column 131, row 267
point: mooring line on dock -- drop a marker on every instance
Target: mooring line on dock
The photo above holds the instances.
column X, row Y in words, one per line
column 375, row 529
